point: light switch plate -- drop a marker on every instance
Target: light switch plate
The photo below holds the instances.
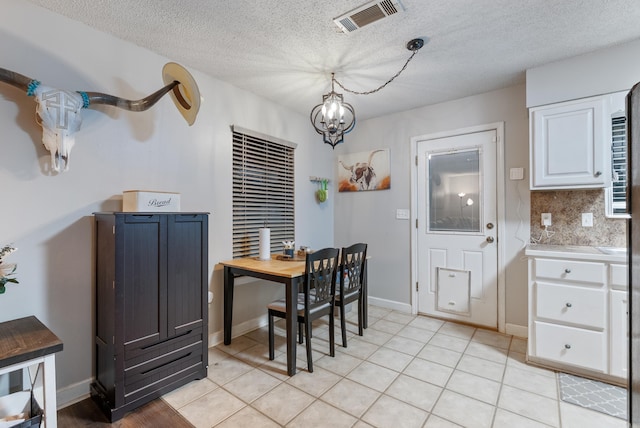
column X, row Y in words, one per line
column 402, row 214
column 587, row 219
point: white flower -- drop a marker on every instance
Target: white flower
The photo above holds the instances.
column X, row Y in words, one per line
column 6, row 250
column 7, row 269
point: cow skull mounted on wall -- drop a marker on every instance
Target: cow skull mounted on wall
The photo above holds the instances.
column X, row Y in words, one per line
column 59, row 111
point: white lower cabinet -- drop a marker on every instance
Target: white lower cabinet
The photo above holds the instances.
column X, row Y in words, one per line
column 585, row 306
column 577, row 317
column 570, row 345
column 619, row 350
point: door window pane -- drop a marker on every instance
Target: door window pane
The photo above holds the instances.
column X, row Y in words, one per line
column 454, row 203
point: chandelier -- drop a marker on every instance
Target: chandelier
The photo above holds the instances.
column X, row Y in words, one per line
column 334, row 118
column 329, row 118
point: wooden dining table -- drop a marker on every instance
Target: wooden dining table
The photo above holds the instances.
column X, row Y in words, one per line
column 287, row 272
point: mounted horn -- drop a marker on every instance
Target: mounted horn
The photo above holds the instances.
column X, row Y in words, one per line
column 185, row 94
column 58, row 111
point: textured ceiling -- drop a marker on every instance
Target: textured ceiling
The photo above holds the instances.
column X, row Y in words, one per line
column 285, row 50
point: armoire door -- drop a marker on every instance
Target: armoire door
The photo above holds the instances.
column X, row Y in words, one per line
column 186, row 272
column 142, row 260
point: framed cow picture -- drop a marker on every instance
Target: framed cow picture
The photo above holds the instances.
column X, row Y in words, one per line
column 364, row 171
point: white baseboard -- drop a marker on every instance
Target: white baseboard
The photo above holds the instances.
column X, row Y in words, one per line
column 517, row 330
column 72, row 394
column 390, row 304
column 238, row 330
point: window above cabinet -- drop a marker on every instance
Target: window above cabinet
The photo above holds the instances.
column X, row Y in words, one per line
column 616, row 194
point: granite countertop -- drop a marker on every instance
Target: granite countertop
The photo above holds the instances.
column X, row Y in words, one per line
column 604, row 254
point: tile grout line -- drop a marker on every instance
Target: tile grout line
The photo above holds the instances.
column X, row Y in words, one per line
column 251, row 361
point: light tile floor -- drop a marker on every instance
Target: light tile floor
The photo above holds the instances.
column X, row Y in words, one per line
column 406, row 371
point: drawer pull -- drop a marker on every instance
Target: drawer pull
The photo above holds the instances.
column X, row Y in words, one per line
column 567, row 346
column 144, row 348
column 567, row 270
column 569, row 305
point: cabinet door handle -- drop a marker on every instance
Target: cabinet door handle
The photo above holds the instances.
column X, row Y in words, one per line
column 598, row 173
column 567, row 270
column 567, row 346
column 568, row 305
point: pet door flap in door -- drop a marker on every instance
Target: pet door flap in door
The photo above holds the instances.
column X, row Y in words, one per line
column 453, row 290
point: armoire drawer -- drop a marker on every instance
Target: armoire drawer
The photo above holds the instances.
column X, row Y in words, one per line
column 570, row 345
column 586, row 306
column 162, row 368
column 138, row 354
column 570, row 270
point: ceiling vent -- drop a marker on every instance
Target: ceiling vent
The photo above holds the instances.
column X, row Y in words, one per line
column 367, row 13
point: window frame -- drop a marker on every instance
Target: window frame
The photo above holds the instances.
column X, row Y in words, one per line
column 618, row 138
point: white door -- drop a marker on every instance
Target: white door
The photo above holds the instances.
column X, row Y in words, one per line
column 457, row 260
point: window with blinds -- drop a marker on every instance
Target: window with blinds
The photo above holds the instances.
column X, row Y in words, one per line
column 619, row 165
column 263, row 191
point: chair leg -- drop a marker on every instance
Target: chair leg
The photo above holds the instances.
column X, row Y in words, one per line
column 271, row 338
column 343, row 325
column 308, row 332
column 300, row 328
column 332, row 334
column 360, row 314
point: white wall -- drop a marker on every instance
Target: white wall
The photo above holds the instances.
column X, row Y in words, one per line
column 48, row 216
column 370, row 216
column 601, row 72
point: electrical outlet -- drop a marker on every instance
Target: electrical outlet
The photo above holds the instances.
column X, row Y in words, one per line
column 516, row 174
column 587, row 219
column 545, row 219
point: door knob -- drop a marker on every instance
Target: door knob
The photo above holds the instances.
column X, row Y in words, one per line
column 490, row 239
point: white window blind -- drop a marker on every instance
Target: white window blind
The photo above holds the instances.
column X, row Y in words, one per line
column 263, row 191
column 619, row 164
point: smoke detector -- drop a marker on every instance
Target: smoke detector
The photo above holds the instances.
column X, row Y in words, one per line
column 367, row 14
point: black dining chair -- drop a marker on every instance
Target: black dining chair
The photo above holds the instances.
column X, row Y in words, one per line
column 316, row 300
column 350, row 287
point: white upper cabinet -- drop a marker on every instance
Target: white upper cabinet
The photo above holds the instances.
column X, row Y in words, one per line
column 570, row 143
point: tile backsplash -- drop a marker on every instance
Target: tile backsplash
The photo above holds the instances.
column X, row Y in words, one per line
column 566, row 208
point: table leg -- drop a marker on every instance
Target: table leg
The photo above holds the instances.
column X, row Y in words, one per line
column 49, row 380
column 291, row 320
column 228, row 304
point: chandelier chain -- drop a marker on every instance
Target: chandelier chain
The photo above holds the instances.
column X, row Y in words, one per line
column 381, row 86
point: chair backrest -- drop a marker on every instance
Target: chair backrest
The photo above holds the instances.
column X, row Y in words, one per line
column 320, row 276
column 352, row 268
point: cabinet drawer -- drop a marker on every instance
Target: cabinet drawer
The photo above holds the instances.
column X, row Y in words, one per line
column 570, row 345
column 570, row 270
column 138, row 355
column 572, row 304
column 163, row 368
column 619, row 276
